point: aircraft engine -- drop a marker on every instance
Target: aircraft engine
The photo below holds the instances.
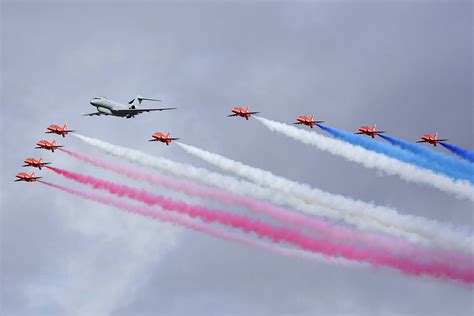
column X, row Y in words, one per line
column 104, row 110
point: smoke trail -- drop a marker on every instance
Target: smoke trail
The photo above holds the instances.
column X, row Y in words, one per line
column 370, row 159
column 436, row 161
column 424, row 231
column 207, row 229
column 444, row 165
column 348, row 207
column 223, row 197
column 461, row 152
column 281, row 234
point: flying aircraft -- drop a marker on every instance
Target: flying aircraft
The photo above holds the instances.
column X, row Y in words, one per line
column 60, row 130
column 26, row 177
column 432, row 139
column 160, row 137
column 242, row 112
column 108, row 107
column 307, row 120
column 37, row 163
column 369, row 131
column 44, row 144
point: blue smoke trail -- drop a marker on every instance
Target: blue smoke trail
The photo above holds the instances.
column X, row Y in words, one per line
column 400, row 154
column 433, row 156
column 463, row 153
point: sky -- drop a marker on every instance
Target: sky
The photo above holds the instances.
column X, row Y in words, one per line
column 406, row 65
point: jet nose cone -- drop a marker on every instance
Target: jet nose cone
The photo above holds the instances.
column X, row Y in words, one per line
column 94, row 102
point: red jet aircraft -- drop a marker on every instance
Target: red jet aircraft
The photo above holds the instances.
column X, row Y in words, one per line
column 160, row 137
column 26, row 177
column 242, row 112
column 60, row 130
column 32, row 162
column 307, row 120
column 432, row 139
column 47, row 145
column 369, row 131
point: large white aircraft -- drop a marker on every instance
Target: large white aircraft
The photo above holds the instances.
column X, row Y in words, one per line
column 108, row 107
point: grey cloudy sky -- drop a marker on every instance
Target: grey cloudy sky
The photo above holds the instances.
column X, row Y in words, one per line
column 406, row 65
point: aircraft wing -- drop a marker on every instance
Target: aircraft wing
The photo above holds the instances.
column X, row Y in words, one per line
column 298, row 123
column 421, row 141
column 18, row 180
column 359, row 133
column 253, row 112
column 69, row 130
column 442, row 140
column 380, row 132
column 231, row 115
column 173, row 138
column 93, row 114
column 138, row 111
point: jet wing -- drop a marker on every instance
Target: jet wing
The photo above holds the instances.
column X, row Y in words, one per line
column 380, row 132
column 253, row 112
column 421, row 141
column 173, row 138
column 93, row 114
column 231, row 115
column 442, row 140
column 67, row 130
column 298, row 123
column 138, row 111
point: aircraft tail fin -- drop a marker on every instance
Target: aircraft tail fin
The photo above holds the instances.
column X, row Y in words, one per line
column 138, row 100
column 436, row 135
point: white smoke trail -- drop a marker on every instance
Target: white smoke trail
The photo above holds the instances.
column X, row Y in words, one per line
column 353, row 211
column 373, row 160
column 428, row 233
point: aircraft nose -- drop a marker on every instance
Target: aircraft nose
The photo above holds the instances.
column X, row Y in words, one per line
column 94, row 102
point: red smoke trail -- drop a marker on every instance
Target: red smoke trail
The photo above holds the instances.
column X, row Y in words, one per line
column 278, row 234
column 194, row 225
column 327, row 230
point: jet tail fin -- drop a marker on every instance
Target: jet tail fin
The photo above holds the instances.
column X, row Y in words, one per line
column 138, row 100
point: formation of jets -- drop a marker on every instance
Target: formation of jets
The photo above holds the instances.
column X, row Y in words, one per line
column 105, row 106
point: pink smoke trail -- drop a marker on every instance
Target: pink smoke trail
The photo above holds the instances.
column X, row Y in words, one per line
column 278, row 234
column 200, row 227
column 322, row 227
